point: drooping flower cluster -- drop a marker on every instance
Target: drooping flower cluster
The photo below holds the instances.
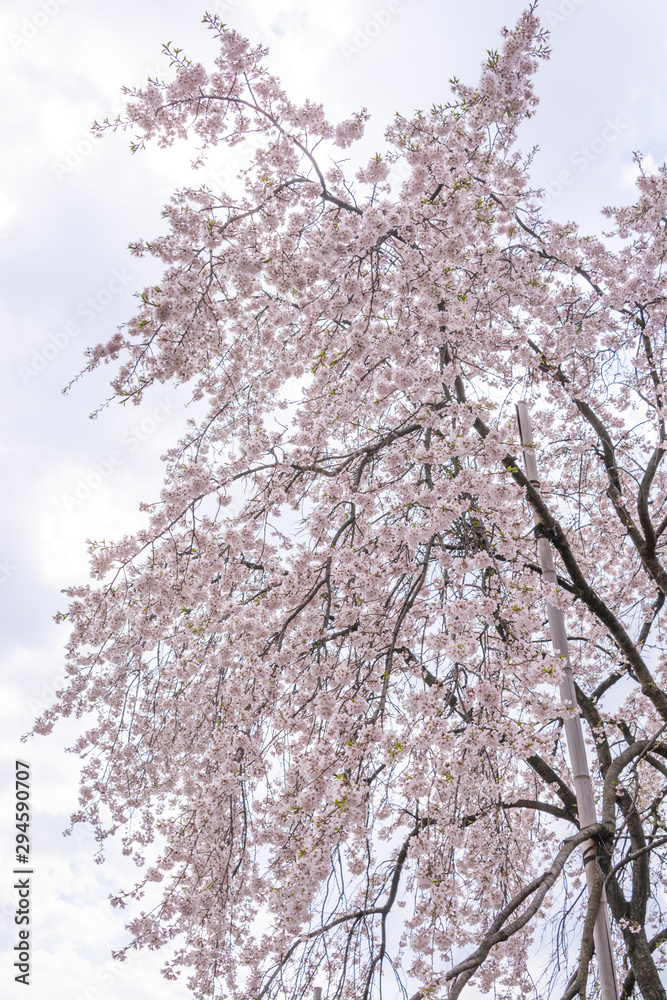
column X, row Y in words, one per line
column 321, row 672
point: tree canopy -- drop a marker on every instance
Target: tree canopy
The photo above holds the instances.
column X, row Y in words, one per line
column 321, row 673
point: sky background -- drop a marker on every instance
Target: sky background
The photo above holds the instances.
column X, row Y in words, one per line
column 69, row 205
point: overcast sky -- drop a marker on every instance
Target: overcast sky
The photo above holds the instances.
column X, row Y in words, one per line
column 69, row 205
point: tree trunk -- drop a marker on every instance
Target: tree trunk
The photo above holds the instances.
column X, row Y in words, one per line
column 647, row 976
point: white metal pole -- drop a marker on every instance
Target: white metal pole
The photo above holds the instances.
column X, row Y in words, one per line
column 318, row 993
column 573, row 729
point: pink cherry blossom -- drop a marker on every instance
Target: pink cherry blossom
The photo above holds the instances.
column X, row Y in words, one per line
column 320, row 675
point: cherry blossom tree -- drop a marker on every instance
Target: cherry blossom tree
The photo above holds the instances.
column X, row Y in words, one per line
column 321, row 674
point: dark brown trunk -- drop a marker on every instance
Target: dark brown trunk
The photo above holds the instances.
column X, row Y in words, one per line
column 643, row 966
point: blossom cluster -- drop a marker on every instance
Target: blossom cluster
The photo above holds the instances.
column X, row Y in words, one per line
column 333, row 702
